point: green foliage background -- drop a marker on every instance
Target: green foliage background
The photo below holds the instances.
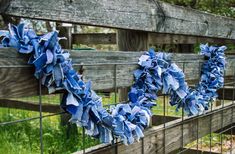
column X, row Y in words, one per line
column 220, row 7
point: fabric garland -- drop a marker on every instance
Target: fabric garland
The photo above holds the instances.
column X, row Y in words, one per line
column 126, row 121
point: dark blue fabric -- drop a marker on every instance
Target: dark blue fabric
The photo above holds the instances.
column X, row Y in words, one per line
column 125, row 121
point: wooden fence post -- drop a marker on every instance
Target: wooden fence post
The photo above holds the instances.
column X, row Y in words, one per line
column 65, row 31
column 130, row 40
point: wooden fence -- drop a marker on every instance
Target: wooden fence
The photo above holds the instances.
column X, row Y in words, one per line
column 138, row 23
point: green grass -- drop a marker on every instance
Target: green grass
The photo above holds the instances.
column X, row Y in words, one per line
column 50, row 99
column 169, row 110
column 24, row 138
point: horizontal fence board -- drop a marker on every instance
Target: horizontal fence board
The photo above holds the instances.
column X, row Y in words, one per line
column 94, row 38
column 16, row 77
column 141, row 15
column 15, row 104
column 159, row 38
column 227, row 93
column 153, row 39
column 154, row 137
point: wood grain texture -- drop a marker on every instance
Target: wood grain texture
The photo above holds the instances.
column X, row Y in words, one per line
column 130, row 40
column 3, row 5
column 153, row 140
column 194, row 151
column 228, row 130
column 17, row 80
column 141, row 15
column 94, row 38
column 159, row 38
column 227, row 93
column 153, row 39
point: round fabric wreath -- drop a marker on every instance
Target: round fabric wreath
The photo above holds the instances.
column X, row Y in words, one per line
column 126, row 121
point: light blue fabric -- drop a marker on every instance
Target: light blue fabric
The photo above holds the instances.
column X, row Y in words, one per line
column 125, row 121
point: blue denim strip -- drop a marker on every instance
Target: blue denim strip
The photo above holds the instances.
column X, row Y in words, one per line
column 126, row 121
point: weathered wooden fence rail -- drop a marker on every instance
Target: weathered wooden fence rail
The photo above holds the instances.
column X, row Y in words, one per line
column 16, row 77
column 144, row 15
column 30, row 106
column 191, row 128
column 153, row 38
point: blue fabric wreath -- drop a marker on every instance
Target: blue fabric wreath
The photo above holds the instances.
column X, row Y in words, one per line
column 126, row 121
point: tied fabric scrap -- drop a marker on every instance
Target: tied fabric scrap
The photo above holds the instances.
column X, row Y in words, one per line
column 53, row 66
